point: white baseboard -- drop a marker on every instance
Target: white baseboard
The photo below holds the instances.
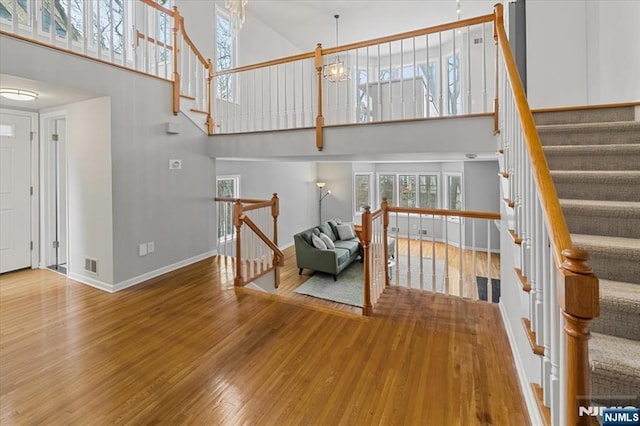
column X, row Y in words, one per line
column 286, row 246
column 92, row 282
column 525, row 386
column 149, row 275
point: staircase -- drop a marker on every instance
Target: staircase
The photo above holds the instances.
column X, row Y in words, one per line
column 594, row 158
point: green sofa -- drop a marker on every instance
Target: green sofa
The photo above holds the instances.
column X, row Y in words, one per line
column 329, row 261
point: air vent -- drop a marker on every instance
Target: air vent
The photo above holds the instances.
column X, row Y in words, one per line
column 91, row 265
column 395, row 229
column 477, row 40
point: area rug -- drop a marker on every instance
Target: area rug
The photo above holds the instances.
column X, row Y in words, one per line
column 482, row 289
column 349, row 287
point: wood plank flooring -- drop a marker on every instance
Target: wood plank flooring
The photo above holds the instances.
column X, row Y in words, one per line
column 188, row 348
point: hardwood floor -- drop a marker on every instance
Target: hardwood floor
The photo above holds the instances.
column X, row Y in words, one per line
column 290, row 280
column 188, row 348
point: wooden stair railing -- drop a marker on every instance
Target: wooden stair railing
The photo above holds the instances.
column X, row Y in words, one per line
column 576, row 286
column 254, row 261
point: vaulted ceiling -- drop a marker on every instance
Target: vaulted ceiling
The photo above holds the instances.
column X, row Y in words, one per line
column 307, row 22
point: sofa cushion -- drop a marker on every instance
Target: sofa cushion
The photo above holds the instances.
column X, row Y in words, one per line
column 342, row 255
column 318, row 243
column 346, row 232
column 326, row 229
column 353, row 246
column 306, row 235
column 325, row 239
column 333, row 223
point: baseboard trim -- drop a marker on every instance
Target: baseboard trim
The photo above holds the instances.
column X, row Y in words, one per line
column 286, row 246
column 100, row 285
column 529, row 397
column 165, row 269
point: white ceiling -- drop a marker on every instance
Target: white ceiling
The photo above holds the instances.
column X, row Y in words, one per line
column 307, row 22
column 49, row 95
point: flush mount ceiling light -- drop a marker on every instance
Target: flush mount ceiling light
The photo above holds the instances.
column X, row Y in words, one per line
column 18, row 94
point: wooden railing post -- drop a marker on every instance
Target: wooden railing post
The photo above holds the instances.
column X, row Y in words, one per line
column 237, row 222
column 499, row 20
column 319, row 117
column 385, row 226
column 367, row 307
column 275, row 212
column 176, row 74
column 210, row 124
column 578, row 297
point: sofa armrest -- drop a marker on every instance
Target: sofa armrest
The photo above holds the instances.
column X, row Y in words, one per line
column 315, row 259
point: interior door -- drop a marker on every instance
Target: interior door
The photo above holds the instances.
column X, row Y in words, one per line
column 15, row 192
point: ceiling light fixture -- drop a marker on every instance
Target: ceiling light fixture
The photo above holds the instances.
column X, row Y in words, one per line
column 238, row 11
column 18, row 94
column 336, row 71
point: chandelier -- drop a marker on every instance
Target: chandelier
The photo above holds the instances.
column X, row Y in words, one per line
column 238, row 11
column 336, row 71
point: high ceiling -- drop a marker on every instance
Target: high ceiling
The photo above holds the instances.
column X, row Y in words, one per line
column 307, row 22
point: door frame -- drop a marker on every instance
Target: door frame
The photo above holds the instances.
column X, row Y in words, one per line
column 35, row 183
column 46, row 119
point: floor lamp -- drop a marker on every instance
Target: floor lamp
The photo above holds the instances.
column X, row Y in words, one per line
column 321, row 197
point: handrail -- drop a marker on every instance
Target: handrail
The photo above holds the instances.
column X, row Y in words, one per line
column 278, row 253
column 444, row 212
column 191, row 45
column 158, row 7
column 287, row 59
column 410, row 34
column 559, row 235
column 242, row 200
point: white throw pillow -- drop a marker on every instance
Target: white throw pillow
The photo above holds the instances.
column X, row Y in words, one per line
column 318, row 243
column 345, row 232
column 327, row 241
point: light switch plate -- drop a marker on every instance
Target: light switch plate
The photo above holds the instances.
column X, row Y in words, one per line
column 142, row 249
column 151, row 247
column 175, row 164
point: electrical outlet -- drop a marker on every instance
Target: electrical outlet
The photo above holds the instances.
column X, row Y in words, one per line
column 142, row 249
column 151, row 247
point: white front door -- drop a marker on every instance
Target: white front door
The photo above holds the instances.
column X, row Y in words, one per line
column 15, row 192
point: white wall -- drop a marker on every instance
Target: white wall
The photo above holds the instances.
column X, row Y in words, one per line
column 90, row 189
column 294, row 182
column 582, row 52
column 339, row 178
column 145, row 201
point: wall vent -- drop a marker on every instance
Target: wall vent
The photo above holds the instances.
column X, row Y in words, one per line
column 395, row 229
column 477, row 40
column 91, row 265
column 423, row 232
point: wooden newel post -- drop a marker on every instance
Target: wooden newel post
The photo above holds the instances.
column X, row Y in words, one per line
column 385, row 226
column 176, row 75
column 579, row 300
column 498, row 21
column 319, row 117
column 237, row 222
column 210, row 124
column 278, row 261
column 367, row 308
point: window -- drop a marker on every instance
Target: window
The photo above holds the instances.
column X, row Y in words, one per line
column 226, row 187
column 225, row 55
column 362, row 191
column 387, row 189
column 23, row 11
column 407, row 187
column 412, row 190
column 453, row 192
column 428, row 191
column 454, row 97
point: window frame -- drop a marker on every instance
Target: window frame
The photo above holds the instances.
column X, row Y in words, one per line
column 369, row 176
column 447, row 201
column 236, row 189
column 233, row 93
column 417, row 175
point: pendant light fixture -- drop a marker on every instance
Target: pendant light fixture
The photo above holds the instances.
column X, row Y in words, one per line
column 336, row 71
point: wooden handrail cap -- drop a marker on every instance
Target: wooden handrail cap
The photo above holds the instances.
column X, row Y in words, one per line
column 576, row 260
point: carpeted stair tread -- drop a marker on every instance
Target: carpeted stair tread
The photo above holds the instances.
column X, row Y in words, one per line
column 607, row 218
column 588, row 115
column 615, row 365
column 612, row 258
column 619, row 310
column 621, row 185
column 593, row 157
column 624, row 132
